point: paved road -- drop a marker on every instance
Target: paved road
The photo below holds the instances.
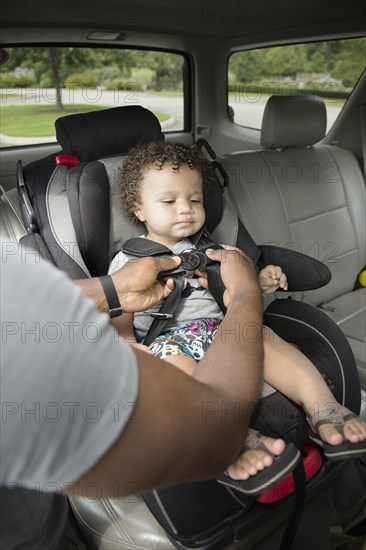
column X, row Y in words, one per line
column 248, row 111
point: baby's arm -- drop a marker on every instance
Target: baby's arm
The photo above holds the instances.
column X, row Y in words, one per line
column 271, row 278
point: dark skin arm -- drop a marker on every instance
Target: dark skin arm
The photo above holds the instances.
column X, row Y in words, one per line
column 137, row 288
column 182, row 427
column 135, row 283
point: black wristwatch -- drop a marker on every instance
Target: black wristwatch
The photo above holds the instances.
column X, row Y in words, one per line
column 115, row 309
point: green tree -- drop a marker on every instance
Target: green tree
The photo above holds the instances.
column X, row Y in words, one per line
column 168, row 68
column 285, row 61
column 50, row 65
column 248, row 66
column 54, row 57
column 340, row 59
column 350, row 61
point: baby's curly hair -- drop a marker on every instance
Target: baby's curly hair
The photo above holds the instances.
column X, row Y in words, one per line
column 156, row 154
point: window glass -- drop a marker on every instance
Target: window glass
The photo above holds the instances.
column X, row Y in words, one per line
column 328, row 69
column 38, row 85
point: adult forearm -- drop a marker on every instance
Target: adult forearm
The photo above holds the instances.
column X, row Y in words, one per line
column 181, row 429
column 234, row 361
column 93, row 289
column 185, row 427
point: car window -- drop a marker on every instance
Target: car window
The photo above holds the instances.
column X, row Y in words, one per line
column 38, row 85
column 329, row 69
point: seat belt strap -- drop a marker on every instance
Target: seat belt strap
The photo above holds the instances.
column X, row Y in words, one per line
column 294, row 520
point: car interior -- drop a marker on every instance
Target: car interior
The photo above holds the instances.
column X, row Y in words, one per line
column 274, row 93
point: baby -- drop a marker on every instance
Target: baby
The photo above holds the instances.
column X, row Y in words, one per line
column 166, row 186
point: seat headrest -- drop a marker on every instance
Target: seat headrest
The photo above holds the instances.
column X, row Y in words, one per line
column 98, row 134
column 293, row 121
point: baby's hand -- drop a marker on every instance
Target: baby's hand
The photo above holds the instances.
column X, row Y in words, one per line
column 271, row 278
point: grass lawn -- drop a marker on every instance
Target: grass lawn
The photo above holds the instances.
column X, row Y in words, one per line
column 39, row 120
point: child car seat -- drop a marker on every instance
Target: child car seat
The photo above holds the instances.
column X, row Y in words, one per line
column 77, row 221
column 57, row 202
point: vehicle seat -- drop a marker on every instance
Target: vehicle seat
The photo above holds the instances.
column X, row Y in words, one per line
column 11, row 225
column 304, row 195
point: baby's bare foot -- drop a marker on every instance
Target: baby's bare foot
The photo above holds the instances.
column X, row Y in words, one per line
column 354, row 430
column 251, row 461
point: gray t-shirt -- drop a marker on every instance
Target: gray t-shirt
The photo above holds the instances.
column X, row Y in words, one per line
column 196, row 302
column 68, row 386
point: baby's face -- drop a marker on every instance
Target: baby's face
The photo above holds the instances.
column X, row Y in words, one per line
column 171, row 203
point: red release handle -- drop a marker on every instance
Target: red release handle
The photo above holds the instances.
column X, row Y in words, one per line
column 67, row 160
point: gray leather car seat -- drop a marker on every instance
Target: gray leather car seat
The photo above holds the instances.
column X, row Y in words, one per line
column 302, row 194
column 11, row 225
column 119, row 523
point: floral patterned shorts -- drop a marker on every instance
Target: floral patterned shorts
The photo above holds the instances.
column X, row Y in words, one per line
column 192, row 339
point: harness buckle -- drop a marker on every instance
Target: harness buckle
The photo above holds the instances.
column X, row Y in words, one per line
column 158, row 315
column 193, row 259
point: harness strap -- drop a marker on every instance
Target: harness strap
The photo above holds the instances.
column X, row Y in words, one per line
column 166, row 311
column 145, row 247
column 201, row 240
column 215, row 284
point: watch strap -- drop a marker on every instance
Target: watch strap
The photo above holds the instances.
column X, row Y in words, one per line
column 115, row 309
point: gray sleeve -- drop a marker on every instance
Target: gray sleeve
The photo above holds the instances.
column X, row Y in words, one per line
column 68, row 383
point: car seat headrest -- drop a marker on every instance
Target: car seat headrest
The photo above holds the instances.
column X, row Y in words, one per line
column 293, row 121
column 98, row 134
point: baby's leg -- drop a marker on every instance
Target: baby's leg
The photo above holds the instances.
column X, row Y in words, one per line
column 290, row 372
column 171, row 348
column 182, row 362
column 249, row 462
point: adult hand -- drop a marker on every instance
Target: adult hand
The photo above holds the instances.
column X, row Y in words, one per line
column 237, row 272
column 137, row 285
